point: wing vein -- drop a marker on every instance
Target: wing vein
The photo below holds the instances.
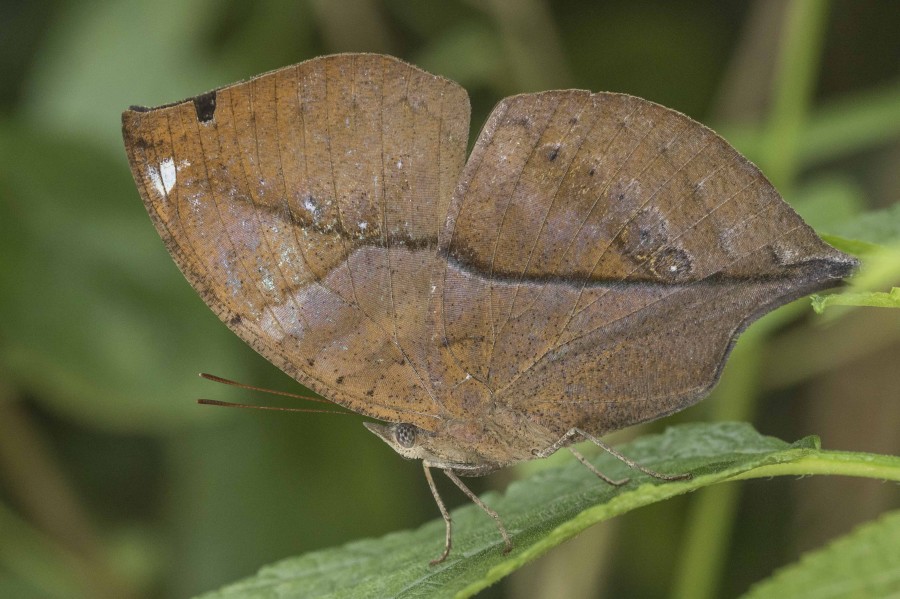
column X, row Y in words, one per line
column 446, row 263
column 265, row 234
column 587, row 101
column 506, row 208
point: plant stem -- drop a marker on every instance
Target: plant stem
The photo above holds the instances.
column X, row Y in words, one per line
column 798, row 65
column 835, row 463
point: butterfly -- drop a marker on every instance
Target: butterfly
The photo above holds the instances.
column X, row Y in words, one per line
column 588, row 267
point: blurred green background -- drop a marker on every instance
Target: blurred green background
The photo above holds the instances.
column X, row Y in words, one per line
column 114, row 483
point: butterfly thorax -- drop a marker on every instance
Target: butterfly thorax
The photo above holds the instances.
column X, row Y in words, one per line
column 474, row 446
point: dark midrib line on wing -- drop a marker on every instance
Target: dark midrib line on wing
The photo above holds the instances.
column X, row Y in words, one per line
column 484, row 272
column 576, row 282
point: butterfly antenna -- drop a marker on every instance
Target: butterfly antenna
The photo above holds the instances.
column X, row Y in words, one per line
column 218, row 379
column 227, row 404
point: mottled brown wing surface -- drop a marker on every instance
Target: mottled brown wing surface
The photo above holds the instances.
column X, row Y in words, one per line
column 304, row 206
column 603, row 253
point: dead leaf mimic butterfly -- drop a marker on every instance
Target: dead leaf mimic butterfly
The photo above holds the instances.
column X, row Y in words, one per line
column 588, row 267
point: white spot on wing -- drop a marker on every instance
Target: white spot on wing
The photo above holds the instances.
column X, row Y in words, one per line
column 163, row 178
column 167, row 174
column 311, row 207
column 153, row 173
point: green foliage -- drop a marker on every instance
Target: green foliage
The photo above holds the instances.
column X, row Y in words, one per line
column 543, row 511
column 865, row 563
column 875, row 299
column 880, row 227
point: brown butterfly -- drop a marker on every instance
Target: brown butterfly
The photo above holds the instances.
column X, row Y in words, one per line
column 589, row 266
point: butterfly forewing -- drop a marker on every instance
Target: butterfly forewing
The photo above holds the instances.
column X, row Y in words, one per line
column 305, row 208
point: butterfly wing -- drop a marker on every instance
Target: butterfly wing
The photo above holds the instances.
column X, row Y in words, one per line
column 604, row 252
column 304, row 206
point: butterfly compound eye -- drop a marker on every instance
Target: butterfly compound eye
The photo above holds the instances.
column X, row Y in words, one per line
column 405, row 434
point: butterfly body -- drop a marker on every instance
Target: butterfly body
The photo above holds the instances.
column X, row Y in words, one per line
column 472, row 447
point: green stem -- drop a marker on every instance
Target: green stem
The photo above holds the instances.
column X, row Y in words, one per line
column 835, row 463
column 795, row 76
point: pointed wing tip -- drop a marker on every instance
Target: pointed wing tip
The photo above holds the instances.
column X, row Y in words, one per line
column 839, row 265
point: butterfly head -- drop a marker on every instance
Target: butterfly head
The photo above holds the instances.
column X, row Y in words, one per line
column 438, row 449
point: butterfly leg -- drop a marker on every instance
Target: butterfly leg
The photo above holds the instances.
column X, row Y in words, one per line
column 628, row 461
column 496, row 517
column 444, row 513
column 567, row 438
column 592, row 468
column 564, row 440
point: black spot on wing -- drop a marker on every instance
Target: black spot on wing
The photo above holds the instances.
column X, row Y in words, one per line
column 205, row 105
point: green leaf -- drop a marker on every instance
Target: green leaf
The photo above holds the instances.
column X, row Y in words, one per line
column 852, row 124
column 875, row 237
column 875, row 299
column 880, row 227
column 851, row 246
column 865, row 563
column 829, row 201
column 543, row 511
